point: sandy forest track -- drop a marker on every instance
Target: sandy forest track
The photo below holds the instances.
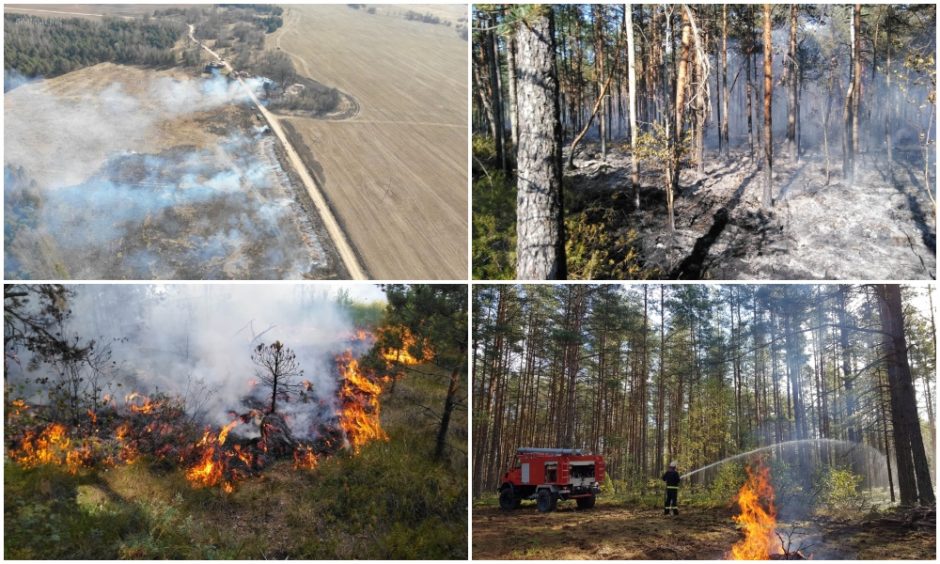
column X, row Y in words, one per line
column 346, row 253
column 614, row 532
column 395, row 174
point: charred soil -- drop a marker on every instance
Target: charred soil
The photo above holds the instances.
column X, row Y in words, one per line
column 883, row 227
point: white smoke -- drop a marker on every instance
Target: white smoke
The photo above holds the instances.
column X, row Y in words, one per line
column 196, row 341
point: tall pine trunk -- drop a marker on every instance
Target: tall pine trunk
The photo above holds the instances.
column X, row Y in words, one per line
column 767, row 200
column 631, row 79
column 511, row 87
column 914, row 478
column 725, row 95
column 600, row 76
column 540, row 248
column 682, row 81
column 792, row 83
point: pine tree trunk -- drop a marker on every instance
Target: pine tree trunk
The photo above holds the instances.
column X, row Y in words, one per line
column 848, row 119
column 540, row 228
column 792, row 85
column 600, row 76
column 767, row 200
column 857, row 77
column 682, row 81
column 750, row 85
column 492, row 61
column 631, row 79
column 908, row 440
column 450, row 401
column 511, row 78
column 724, row 76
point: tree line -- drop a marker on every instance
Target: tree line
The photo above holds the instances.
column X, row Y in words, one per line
column 649, row 374
column 670, row 80
column 37, row 46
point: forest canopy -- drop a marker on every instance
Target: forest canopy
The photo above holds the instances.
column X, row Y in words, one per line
column 37, row 46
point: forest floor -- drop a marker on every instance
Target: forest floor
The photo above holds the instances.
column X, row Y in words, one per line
column 884, row 227
column 613, row 531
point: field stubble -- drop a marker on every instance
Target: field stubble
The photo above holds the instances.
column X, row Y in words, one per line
column 396, row 173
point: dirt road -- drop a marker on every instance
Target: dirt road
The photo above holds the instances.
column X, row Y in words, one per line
column 346, row 253
column 602, row 533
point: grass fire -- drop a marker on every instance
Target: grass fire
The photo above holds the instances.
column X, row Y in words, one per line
column 230, row 433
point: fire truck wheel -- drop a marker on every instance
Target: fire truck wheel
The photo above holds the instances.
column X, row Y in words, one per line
column 546, row 501
column 508, row 500
column 586, row 502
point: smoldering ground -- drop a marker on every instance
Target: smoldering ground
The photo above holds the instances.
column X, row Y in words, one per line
column 195, row 341
column 148, row 178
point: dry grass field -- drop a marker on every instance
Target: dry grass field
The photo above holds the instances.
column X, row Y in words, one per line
column 396, row 172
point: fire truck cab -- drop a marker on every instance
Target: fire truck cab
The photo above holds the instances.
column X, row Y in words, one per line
column 551, row 474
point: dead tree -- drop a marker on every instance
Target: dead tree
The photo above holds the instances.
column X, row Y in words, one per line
column 277, row 368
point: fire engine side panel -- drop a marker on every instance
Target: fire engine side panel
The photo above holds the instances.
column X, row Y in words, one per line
column 525, row 473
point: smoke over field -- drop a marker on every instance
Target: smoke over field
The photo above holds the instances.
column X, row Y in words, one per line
column 117, row 172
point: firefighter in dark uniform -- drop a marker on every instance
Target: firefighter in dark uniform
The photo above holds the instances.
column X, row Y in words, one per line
column 671, row 477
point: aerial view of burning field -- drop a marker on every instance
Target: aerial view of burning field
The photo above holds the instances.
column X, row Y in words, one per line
column 680, row 422
column 235, row 422
column 174, row 143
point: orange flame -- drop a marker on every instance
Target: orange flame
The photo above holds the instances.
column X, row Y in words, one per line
column 128, row 452
column 17, row 408
column 207, row 471
column 210, row 469
column 758, row 518
column 403, row 355
column 360, row 418
column 305, row 458
column 225, row 430
column 51, row 445
column 139, row 403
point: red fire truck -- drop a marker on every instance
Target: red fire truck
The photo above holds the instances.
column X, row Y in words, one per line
column 551, row 474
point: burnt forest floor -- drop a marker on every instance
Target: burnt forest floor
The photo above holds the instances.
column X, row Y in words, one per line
column 883, row 227
column 612, row 531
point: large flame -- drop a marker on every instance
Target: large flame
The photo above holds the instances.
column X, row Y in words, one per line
column 758, row 518
column 51, row 445
column 360, row 417
column 209, row 470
